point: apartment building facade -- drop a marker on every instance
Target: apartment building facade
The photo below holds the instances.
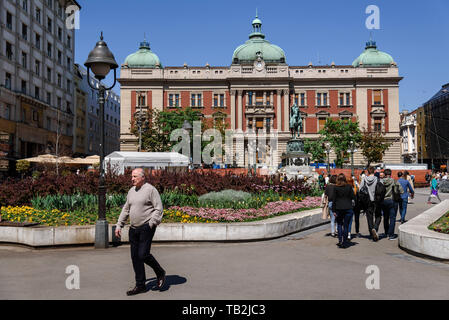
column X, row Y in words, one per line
column 36, row 78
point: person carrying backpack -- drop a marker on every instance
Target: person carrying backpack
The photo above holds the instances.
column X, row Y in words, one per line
column 369, row 200
column 393, row 195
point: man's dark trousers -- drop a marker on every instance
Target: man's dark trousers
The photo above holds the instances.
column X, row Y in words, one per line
column 373, row 211
column 389, row 210
column 140, row 239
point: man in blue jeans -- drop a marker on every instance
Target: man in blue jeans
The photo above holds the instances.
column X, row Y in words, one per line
column 405, row 184
column 388, row 206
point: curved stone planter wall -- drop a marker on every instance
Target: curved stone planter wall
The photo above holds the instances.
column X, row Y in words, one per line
column 247, row 231
column 414, row 236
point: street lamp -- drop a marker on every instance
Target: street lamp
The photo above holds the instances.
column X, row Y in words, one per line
column 327, row 145
column 188, row 127
column 351, row 150
column 101, row 61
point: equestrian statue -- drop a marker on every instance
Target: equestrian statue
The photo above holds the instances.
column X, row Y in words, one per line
column 295, row 121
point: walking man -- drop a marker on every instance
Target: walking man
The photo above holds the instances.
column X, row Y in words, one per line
column 371, row 207
column 144, row 208
column 393, row 193
column 405, row 184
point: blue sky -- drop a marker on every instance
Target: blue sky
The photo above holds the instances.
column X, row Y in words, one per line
column 197, row 32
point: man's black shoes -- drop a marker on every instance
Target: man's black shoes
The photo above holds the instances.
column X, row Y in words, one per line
column 136, row 290
column 161, row 280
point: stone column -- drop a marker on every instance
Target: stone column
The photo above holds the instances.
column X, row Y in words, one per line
column 264, row 98
column 271, row 98
column 286, row 109
column 240, row 110
column 233, row 109
column 278, row 111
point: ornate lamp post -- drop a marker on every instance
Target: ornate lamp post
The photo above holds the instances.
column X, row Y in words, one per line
column 101, row 61
column 327, row 145
column 188, row 127
column 351, row 150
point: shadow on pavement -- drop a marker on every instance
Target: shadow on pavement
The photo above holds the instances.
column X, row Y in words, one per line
column 169, row 281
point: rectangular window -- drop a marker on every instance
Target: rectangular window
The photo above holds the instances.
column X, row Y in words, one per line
column 222, row 104
column 348, row 99
column 24, row 31
column 37, row 41
column 325, row 99
column 69, row 63
column 24, row 86
column 25, row 5
column 170, row 100
column 321, row 123
column 49, row 25
column 59, row 80
column 38, row 15
column 378, row 124
column 8, row 50
column 68, row 85
column 250, row 98
column 377, row 97
column 268, row 98
column 8, row 80
column 215, row 100
column 37, row 92
column 69, row 41
column 8, row 20
column 176, row 100
column 259, row 123
column 49, row 49
column 318, row 99
column 8, row 112
column 59, row 57
column 342, row 99
column 48, row 74
column 193, row 100
column 37, row 67
column 259, row 98
column 297, row 99
column 59, row 33
column 250, row 123
column 48, row 97
column 59, row 103
column 268, row 125
column 24, row 59
column 303, row 99
column 199, row 97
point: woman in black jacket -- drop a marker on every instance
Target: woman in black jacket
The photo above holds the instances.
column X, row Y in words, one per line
column 343, row 200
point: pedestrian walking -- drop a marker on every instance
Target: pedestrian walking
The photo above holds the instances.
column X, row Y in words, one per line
column 370, row 197
column 433, row 189
column 393, row 194
column 144, row 208
column 328, row 193
column 406, row 186
column 342, row 199
column 356, row 208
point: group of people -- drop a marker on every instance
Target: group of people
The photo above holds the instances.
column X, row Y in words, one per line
column 378, row 195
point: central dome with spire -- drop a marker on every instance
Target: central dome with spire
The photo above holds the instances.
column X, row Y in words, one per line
column 143, row 58
column 257, row 47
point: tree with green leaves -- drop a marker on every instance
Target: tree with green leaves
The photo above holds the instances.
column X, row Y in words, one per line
column 341, row 134
column 316, row 149
column 373, row 146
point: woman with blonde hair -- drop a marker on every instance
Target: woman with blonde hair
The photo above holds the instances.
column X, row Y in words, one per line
column 356, row 208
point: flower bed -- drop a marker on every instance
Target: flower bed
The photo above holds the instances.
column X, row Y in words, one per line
column 172, row 214
column 442, row 225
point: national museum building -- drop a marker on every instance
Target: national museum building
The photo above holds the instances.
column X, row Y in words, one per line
column 258, row 89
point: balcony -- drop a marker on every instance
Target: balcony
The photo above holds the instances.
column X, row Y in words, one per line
column 259, row 109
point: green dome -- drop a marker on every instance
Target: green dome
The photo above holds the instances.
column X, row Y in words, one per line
column 143, row 58
column 257, row 46
column 372, row 57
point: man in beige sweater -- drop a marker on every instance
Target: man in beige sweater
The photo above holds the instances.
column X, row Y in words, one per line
column 144, row 208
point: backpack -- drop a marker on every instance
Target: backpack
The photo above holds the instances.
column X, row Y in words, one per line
column 380, row 192
column 363, row 197
column 396, row 193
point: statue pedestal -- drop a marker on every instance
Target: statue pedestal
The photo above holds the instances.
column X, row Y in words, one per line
column 295, row 162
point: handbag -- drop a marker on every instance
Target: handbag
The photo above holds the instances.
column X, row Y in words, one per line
column 325, row 205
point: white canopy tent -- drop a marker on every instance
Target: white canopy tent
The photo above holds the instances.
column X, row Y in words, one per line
column 119, row 161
